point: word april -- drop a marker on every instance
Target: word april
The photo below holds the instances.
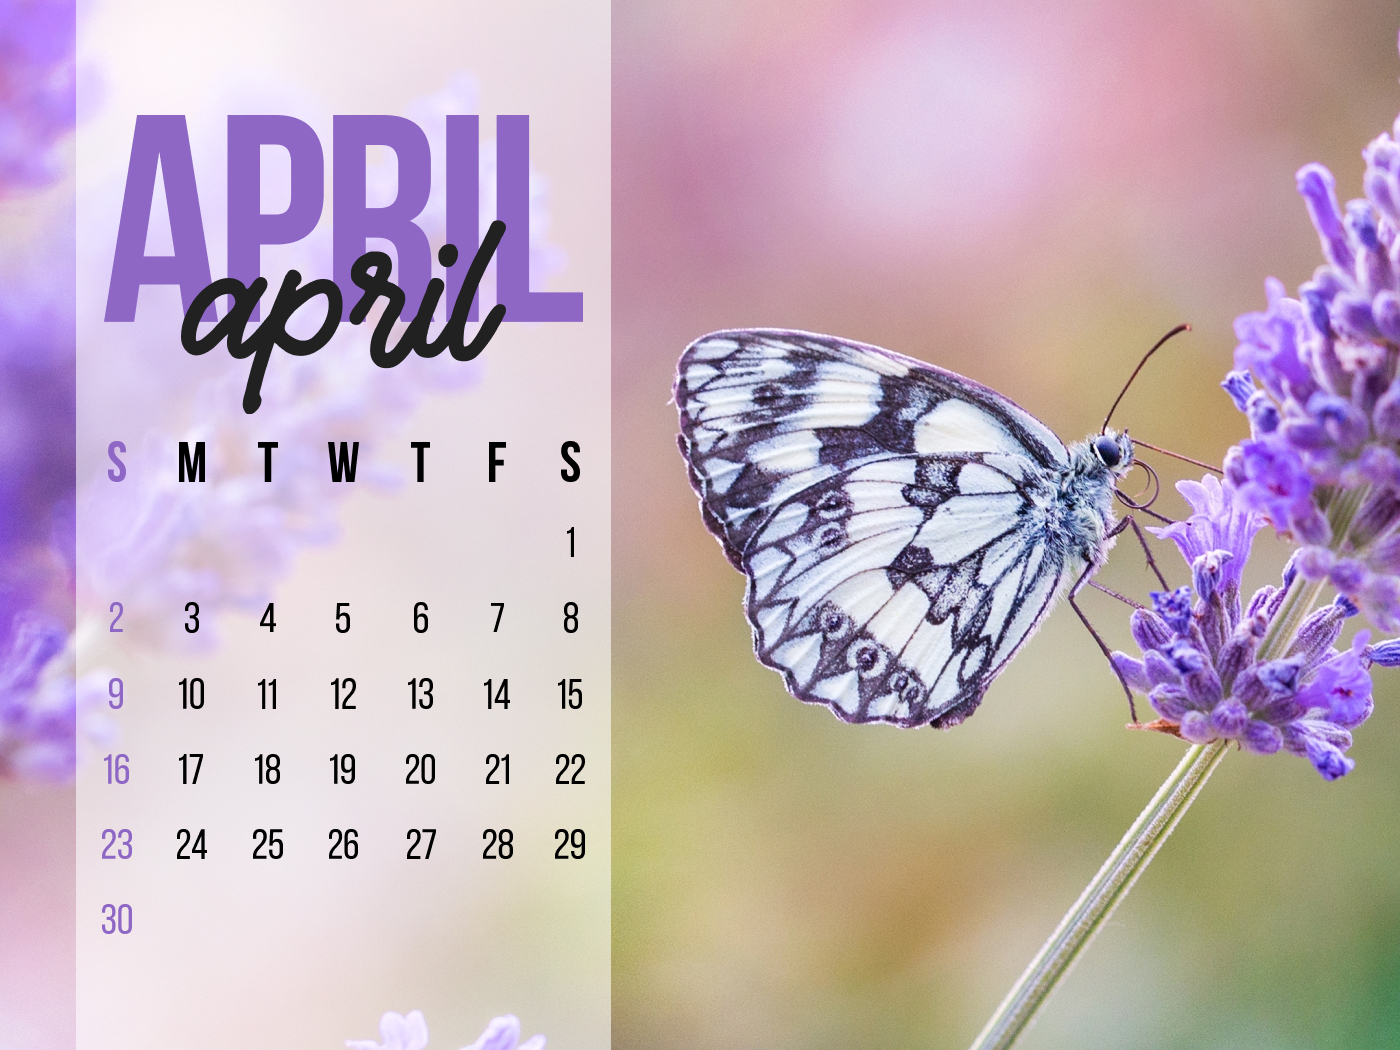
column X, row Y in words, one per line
column 371, row 272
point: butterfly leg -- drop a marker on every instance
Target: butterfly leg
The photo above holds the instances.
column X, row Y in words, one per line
column 1103, row 646
column 1127, row 521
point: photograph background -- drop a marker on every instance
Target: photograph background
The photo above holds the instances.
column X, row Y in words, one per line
column 1030, row 197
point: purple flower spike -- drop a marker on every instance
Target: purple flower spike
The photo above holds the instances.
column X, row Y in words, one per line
column 1319, row 190
column 1262, row 738
column 1314, row 563
column 1280, row 677
column 1351, row 316
column 1207, row 572
column 1342, row 688
column 1276, row 481
column 1341, row 420
column 1174, row 607
column 1380, row 601
column 1229, row 719
column 1133, row 671
column 1263, row 415
column 1240, row 386
column 1385, row 654
column 1170, row 701
column 1386, row 310
column 1327, row 758
column 1385, row 417
column 1269, row 344
column 1149, row 630
column 1221, row 523
column 1196, row 727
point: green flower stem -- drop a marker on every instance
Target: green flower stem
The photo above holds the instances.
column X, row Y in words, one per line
column 1132, row 855
column 1101, row 896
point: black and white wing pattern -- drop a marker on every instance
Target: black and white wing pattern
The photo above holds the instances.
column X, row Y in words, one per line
column 904, row 530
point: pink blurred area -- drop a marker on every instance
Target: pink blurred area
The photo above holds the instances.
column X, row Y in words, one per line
column 1029, row 195
column 37, row 884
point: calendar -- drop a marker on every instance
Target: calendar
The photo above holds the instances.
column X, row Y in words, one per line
column 343, row 523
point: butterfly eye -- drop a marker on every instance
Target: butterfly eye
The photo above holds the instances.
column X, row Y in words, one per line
column 1107, row 450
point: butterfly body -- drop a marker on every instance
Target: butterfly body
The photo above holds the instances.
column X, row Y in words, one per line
column 904, row 530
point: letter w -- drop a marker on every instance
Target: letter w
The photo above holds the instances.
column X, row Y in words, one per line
column 343, row 466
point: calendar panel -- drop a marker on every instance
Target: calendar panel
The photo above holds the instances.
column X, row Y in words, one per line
column 347, row 604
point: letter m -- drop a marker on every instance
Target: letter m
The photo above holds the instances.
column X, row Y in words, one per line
column 192, row 469
column 343, row 466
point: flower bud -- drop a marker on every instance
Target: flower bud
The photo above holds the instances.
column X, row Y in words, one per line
column 1280, row 677
column 1206, row 572
column 1240, row 386
column 1159, row 669
column 1169, row 701
column 1174, row 607
column 1229, row 718
column 1261, row 738
column 1385, row 417
column 1132, row 671
column 1386, row 654
column 1314, row 563
column 1196, row 727
column 1347, row 575
column 1149, row 631
column 1308, row 524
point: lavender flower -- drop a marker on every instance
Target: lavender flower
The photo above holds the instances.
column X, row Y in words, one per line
column 44, row 713
column 38, row 88
column 1218, row 535
column 1327, row 419
column 1202, row 669
column 41, row 708
column 411, row 1033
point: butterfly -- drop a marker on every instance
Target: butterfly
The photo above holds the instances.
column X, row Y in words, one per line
column 904, row 530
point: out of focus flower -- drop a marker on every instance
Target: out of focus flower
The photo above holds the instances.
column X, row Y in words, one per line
column 1326, row 422
column 41, row 708
column 503, row 1033
column 38, row 92
column 397, row 1032
column 411, row 1033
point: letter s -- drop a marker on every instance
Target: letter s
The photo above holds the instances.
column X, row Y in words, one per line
column 112, row 450
column 573, row 472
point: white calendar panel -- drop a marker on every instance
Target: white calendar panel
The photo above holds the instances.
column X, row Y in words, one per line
column 345, row 586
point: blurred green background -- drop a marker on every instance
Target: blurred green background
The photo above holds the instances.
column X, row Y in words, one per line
column 1030, row 195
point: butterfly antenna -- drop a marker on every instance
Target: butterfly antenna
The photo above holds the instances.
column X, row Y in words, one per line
column 1156, row 488
column 1178, row 455
column 1156, row 346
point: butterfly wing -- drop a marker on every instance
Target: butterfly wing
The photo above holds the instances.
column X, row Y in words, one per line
column 894, row 519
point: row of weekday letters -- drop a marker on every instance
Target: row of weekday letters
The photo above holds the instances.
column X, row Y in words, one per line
column 344, row 460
